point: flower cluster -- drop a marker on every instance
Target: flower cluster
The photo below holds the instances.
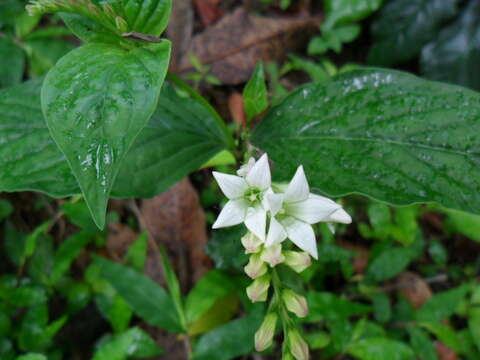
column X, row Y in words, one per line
column 273, row 213
column 289, row 210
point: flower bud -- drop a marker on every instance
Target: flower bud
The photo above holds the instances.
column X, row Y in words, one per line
column 264, row 335
column 273, row 255
column 295, row 303
column 258, row 290
column 298, row 346
column 255, row 267
column 298, row 261
column 251, row 243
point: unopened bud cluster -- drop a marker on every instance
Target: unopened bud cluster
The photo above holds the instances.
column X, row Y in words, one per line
column 104, row 13
column 273, row 213
column 262, row 260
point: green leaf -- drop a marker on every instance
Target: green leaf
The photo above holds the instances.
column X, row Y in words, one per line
column 148, row 299
column 77, row 212
column 137, row 252
column 230, row 340
column 226, row 249
column 403, row 27
column 453, row 54
column 380, row 349
column 345, row 11
column 32, row 356
column 207, row 291
column 255, row 93
column 9, row 10
column 223, row 310
column 442, row 305
column 182, row 135
column 97, row 107
column 12, row 59
column 445, row 334
column 382, row 307
column 44, row 53
column 148, row 17
column 133, row 342
column 5, row 209
column 381, row 133
column 24, row 24
column 173, row 286
column 474, row 316
column 67, row 252
column 390, row 262
column 324, row 305
column 422, row 344
column 463, row 223
column 31, row 240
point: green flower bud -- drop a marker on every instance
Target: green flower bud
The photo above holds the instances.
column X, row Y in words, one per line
column 251, row 243
column 264, row 335
column 295, row 303
column 255, row 267
column 258, row 290
column 287, row 356
column 298, row 261
column 273, row 255
column 298, row 346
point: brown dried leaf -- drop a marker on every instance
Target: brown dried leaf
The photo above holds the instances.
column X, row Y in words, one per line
column 234, row 45
column 208, row 11
column 120, row 237
column 176, row 219
column 235, row 105
column 415, row 289
column 180, row 29
column 360, row 259
column 444, row 352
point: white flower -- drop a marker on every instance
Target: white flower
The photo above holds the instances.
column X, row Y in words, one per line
column 246, row 196
column 294, row 211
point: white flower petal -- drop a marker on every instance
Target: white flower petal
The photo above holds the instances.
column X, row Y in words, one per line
column 274, row 203
column 298, row 189
column 245, row 168
column 276, row 233
column 233, row 213
column 232, row 186
column 339, row 216
column 312, row 210
column 259, row 176
column 301, row 235
column 256, row 221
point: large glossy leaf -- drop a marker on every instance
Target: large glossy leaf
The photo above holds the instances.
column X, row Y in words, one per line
column 454, row 54
column 404, row 26
column 149, row 300
column 181, row 136
column 386, row 134
column 95, row 108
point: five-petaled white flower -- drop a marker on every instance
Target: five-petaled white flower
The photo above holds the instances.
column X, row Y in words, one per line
column 246, row 195
column 294, row 211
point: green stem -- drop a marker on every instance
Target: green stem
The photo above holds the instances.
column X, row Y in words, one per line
column 282, row 310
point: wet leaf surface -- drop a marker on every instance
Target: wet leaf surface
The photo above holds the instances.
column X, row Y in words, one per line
column 385, row 134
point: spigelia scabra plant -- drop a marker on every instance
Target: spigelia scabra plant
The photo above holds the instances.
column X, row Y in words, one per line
column 274, row 213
